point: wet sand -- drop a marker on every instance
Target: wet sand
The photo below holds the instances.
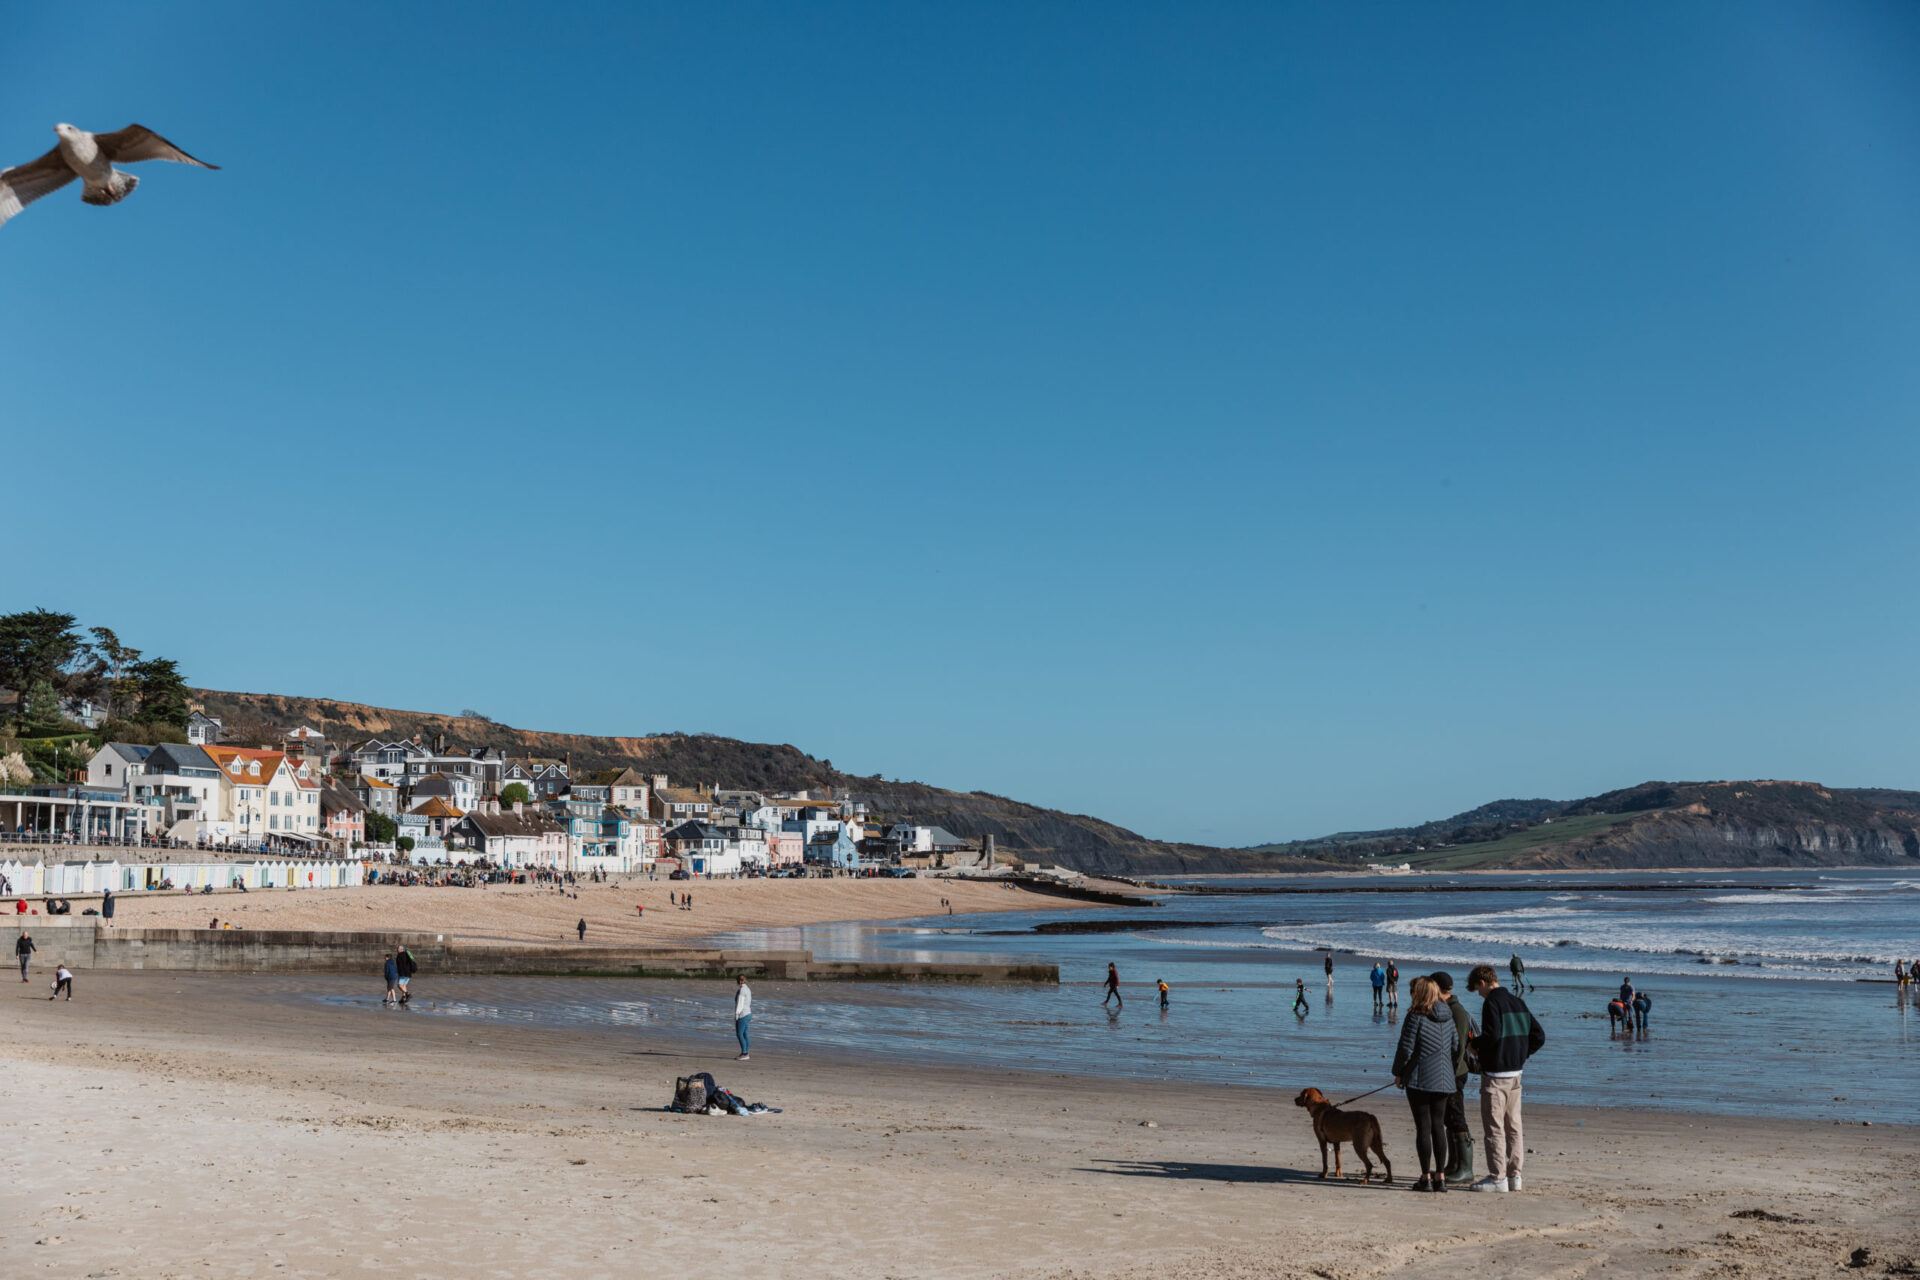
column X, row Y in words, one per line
column 528, row 913
column 185, row 1124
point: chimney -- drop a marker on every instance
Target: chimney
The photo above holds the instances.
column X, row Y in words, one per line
column 517, row 807
column 659, row 782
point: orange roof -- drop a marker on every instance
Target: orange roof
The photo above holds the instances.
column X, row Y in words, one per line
column 269, row 761
column 376, row 783
column 436, row 807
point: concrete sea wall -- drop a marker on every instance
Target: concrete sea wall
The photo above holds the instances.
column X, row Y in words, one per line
column 86, row 944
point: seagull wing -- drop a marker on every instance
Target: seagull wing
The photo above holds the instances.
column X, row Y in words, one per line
column 21, row 185
column 136, row 142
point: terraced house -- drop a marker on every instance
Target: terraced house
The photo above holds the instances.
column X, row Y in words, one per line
column 265, row 797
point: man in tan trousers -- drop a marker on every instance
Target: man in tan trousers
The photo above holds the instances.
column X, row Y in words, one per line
column 1509, row 1035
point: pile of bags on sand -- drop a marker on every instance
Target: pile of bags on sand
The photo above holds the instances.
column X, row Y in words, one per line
column 698, row 1095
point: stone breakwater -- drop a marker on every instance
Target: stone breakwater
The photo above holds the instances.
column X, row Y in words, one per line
column 89, row 945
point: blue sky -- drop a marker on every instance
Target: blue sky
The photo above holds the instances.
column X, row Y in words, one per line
column 1240, row 422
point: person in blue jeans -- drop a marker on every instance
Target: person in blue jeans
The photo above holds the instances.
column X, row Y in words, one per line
column 742, row 1014
column 1379, row 977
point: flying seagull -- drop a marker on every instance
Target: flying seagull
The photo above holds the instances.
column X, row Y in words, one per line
column 89, row 157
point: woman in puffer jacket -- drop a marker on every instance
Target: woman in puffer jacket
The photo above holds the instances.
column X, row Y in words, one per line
column 1423, row 1066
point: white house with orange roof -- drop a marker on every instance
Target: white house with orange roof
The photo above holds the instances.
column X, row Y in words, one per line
column 264, row 796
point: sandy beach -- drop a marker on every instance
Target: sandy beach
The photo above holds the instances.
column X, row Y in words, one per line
column 529, row 913
column 193, row 1125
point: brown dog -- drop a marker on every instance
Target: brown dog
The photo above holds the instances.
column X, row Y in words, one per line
column 1332, row 1125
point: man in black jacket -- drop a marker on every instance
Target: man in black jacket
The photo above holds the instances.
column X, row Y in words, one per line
column 1509, row 1035
column 23, row 950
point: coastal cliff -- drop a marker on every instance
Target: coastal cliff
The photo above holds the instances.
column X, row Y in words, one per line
column 1743, row 824
column 1763, row 823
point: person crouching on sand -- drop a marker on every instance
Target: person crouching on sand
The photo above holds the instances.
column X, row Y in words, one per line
column 62, row 981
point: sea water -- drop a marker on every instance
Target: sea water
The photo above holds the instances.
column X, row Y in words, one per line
column 1769, row 988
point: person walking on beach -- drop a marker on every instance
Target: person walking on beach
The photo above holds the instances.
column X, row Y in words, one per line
column 391, row 971
column 742, row 1014
column 1509, row 1035
column 582, row 928
column 1379, row 979
column 1300, row 1006
column 1423, row 1066
column 1518, row 968
column 404, row 968
column 1900, row 975
column 1459, row 1133
column 23, row 950
column 1164, row 990
column 1393, row 984
column 62, row 981
column 1329, row 968
column 1113, row 987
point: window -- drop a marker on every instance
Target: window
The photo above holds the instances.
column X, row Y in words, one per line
column 274, row 822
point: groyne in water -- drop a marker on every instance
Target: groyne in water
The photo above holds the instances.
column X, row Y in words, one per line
column 90, row 945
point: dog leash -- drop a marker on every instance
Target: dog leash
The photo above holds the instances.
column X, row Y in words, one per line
column 1368, row 1094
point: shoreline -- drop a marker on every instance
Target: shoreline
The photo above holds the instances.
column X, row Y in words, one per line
column 536, row 914
column 344, row 1141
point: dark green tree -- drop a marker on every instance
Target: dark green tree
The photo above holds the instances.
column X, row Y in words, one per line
column 515, row 793
column 163, row 692
column 380, row 828
column 40, row 709
column 40, row 645
column 115, row 662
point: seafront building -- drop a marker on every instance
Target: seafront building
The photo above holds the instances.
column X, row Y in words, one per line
column 430, row 802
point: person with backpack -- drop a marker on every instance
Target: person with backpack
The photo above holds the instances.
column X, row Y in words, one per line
column 404, row 968
column 1379, row 979
column 1423, row 1066
column 1509, row 1035
column 1393, row 984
